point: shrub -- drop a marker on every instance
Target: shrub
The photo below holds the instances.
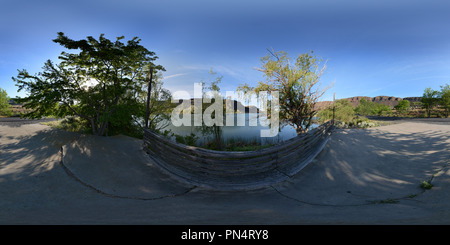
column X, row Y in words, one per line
column 344, row 112
column 356, row 122
column 426, row 185
column 369, row 108
column 5, row 107
column 187, row 140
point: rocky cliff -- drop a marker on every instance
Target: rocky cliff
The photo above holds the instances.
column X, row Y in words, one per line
column 385, row 100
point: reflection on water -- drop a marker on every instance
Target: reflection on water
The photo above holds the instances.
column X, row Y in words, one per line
column 242, row 133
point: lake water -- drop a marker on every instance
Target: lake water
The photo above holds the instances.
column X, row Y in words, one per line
column 245, row 133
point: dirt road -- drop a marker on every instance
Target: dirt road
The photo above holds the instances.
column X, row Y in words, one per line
column 363, row 176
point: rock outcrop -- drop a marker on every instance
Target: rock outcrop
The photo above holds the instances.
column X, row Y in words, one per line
column 385, row 100
column 390, row 101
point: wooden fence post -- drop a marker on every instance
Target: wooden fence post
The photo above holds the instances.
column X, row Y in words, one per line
column 147, row 115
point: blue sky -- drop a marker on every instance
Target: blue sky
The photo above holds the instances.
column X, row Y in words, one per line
column 384, row 47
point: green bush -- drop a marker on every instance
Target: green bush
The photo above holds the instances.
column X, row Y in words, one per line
column 369, row 108
column 345, row 116
column 361, row 122
column 71, row 124
column 402, row 106
column 344, row 112
column 5, row 107
column 187, row 140
column 426, row 185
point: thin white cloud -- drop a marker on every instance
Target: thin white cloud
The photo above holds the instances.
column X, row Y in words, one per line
column 196, row 67
column 174, row 75
column 220, row 69
column 416, row 67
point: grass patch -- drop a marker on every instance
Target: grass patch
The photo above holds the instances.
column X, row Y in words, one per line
column 187, row 140
column 70, row 124
column 426, row 185
column 357, row 122
column 242, row 144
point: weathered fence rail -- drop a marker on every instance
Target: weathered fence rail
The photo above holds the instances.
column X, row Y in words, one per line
column 236, row 170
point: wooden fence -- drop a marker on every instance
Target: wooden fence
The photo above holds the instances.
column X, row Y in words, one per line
column 236, row 170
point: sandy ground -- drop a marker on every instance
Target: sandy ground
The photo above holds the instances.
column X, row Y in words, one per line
column 370, row 176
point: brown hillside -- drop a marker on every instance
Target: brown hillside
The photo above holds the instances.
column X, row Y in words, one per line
column 386, row 100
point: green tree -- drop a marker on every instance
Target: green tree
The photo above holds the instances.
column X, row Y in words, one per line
column 105, row 83
column 213, row 85
column 365, row 107
column 429, row 100
column 381, row 110
column 5, row 107
column 344, row 112
column 444, row 95
column 210, row 90
column 369, row 108
column 297, row 82
column 402, row 106
column 159, row 108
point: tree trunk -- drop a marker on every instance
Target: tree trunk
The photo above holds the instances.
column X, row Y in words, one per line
column 94, row 128
column 147, row 114
column 299, row 129
column 102, row 129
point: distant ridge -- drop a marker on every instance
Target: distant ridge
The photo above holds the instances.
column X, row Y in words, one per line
column 232, row 104
column 390, row 101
